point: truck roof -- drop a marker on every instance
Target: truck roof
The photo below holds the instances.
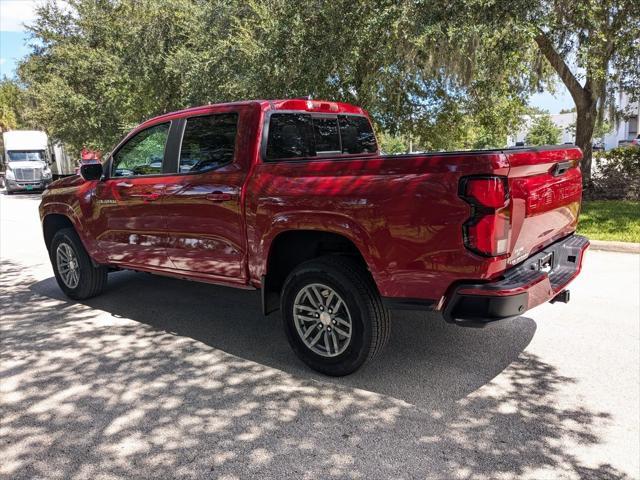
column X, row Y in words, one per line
column 293, row 104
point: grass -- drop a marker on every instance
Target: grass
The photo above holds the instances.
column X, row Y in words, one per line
column 610, row 220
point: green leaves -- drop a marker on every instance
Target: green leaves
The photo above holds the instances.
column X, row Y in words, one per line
column 10, row 105
column 94, row 74
column 543, row 131
column 448, row 74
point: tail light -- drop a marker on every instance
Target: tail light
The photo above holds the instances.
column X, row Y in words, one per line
column 486, row 232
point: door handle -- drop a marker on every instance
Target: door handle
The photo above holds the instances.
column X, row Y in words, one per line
column 148, row 197
column 124, row 184
column 219, row 197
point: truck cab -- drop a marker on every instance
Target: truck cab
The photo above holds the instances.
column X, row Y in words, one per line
column 27, row 160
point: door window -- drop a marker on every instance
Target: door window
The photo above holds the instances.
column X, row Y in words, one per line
column 143, row 154
column 208, row 142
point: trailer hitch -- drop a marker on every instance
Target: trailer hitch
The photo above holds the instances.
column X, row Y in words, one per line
column 563, row 297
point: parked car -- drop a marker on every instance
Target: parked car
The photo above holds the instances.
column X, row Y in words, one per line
column 293, row 198
column 636, row 141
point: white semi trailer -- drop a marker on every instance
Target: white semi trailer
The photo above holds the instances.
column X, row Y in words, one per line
column 62, row 165
column 31, row 161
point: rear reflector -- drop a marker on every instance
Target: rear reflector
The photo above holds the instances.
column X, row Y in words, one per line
column 486, row 232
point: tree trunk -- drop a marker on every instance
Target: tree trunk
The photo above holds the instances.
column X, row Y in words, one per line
column 585, row 124
column 584, row 98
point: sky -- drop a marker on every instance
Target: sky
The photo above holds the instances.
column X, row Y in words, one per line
column 553, row 103
column 14, row 14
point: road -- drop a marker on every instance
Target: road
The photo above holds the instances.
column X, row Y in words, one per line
column 161, row 378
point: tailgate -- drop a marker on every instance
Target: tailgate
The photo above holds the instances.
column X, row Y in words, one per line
column 546, row 190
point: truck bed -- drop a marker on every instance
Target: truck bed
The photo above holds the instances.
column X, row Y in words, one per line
column 406, row 214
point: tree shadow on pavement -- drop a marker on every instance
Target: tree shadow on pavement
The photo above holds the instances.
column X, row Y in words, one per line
column 423, row 356
column 131, row 387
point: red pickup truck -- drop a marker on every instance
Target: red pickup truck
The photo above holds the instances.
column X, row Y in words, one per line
column 294, row 198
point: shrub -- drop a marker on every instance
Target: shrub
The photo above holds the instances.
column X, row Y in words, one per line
column 617, row 175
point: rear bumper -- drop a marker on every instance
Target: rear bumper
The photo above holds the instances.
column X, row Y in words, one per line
column 521, row 288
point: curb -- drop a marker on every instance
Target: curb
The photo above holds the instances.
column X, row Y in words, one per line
column 610, row 246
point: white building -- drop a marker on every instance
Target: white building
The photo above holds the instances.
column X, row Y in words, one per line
column 625, row 131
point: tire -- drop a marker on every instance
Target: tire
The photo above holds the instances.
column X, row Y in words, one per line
column 91, row 280
column 331, row 278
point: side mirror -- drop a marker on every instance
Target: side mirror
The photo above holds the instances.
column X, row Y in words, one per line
column 91, row 171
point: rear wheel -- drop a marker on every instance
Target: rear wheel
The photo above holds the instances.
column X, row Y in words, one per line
column 333, row 315
column 76, row 275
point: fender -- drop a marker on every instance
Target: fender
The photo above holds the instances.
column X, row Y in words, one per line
column 59, row 208
column 330, row 222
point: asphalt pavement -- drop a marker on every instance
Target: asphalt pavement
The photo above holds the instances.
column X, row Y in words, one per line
column 162, row 378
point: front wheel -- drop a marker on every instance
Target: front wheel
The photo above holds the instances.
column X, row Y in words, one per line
column 76, row 275
column 333, row 315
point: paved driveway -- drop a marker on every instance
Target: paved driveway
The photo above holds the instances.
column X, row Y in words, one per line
column 160, row 378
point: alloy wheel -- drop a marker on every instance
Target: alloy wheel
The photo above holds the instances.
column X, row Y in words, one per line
column 322, row 320
column 68, row 266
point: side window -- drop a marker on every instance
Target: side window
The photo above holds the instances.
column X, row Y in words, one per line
column 143, row 154
column 357, row 135
column 208, row 142
column 326, row 136
column 290, row 136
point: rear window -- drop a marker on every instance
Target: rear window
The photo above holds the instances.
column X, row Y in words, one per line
column 325, row 134
column 300, row 135
column 357, row 135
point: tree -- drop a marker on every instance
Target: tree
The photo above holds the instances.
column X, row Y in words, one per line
column 600, row 130
column 10, row 105
column 102, row 67
column 448, row 74
column 591, row 45
column 392, row 144
column 11, row 108
column 604, row 39
column 543, row 131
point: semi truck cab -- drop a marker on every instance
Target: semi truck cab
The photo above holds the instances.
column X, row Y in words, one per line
column 27, row 160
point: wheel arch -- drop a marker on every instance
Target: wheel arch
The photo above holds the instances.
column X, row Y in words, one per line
column 52, row 223
column 289, row 248
column 52, row 213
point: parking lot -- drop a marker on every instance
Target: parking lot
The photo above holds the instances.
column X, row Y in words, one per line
column 161, row 378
